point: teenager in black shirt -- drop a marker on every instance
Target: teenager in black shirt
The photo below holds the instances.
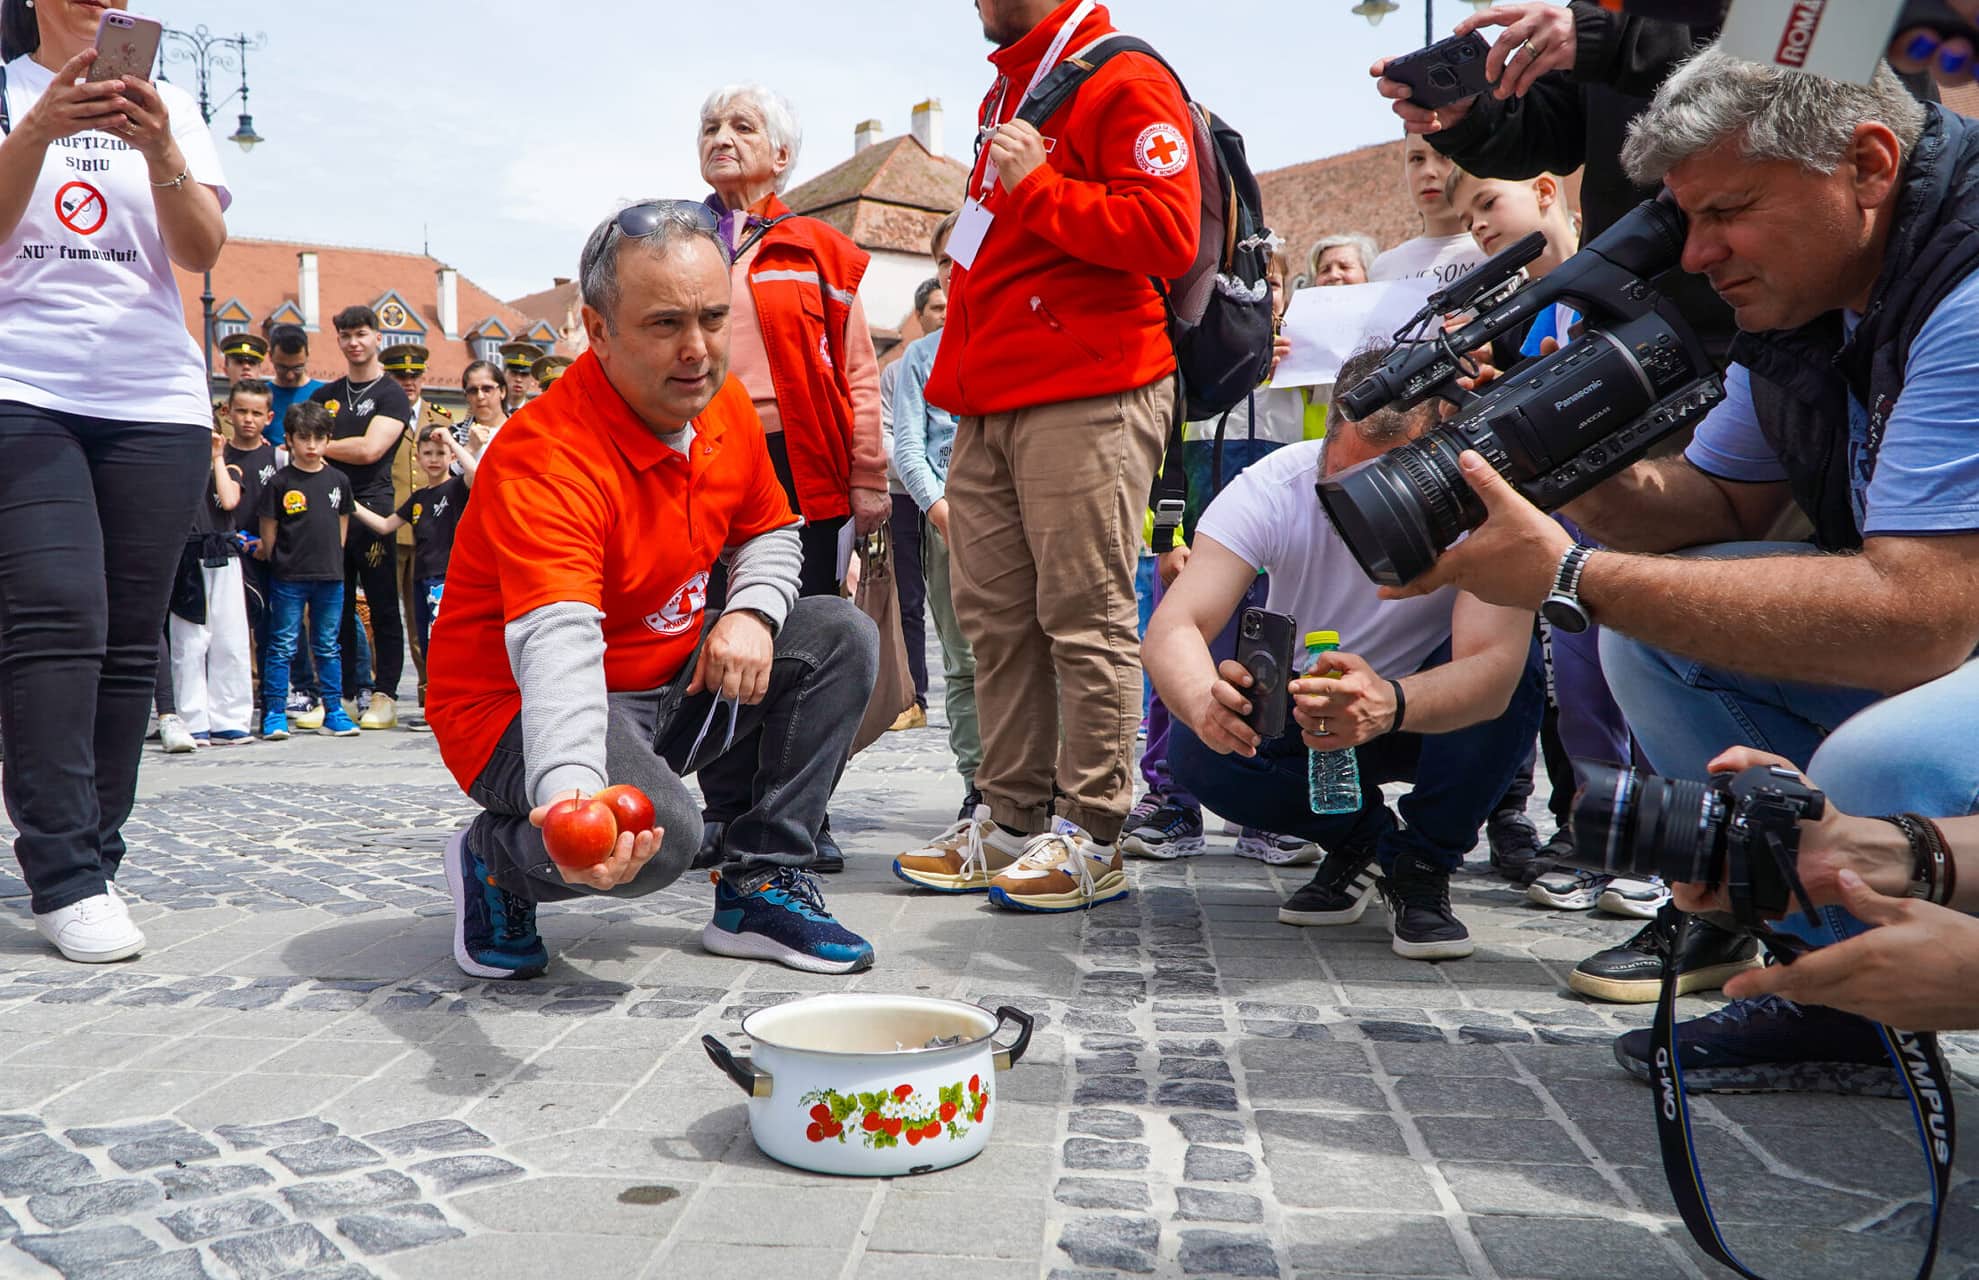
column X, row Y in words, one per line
column 305, row 512
column 368, row 413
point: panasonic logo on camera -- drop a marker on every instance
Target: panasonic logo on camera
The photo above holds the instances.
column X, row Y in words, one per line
column 1580, row 395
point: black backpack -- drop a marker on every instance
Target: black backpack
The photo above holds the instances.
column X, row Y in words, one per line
column 1219, row 311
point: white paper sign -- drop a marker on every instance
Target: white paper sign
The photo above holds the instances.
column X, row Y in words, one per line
column 1839, row 39
column 1329, row 324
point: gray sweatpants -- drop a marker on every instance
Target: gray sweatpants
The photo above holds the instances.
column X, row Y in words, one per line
column 797, row 740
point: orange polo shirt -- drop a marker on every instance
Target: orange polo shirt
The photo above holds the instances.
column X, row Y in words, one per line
column 578, row 501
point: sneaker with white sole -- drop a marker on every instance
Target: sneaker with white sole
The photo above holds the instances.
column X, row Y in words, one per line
column 1337, row 894
column 1171, row 831
column 174, row 736
column 1421, row 919
column 1568, row 889
column 1276, row 850
column 1636, row 899
column 962, row 859
column 1063, row 870
column 310, row 717
column 782, row 917
column 494, row 930
column 96, row 930
column 383, row 713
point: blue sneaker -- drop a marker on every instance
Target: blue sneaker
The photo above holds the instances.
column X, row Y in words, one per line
column 338, row 724
column 231, row 737
column 783, row 918
column 494, row 931
column 1772, row 1045
column 275, row 726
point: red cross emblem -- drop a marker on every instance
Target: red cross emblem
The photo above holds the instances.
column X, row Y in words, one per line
column 1162, row 150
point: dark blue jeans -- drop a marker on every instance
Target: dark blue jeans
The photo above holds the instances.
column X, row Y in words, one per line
column 286, row 603
column 426, row 607
column 93, row 516
column 1457, row 779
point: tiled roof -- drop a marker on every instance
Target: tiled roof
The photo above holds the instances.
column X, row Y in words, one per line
column 261, row 276
column 886, row 197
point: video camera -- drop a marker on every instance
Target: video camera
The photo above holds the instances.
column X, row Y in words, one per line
column 1555, row 427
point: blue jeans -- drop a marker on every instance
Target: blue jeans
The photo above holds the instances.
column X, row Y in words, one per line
column 426, row 607
column 1871, row 754
column 1457, row 779
column 286, row 602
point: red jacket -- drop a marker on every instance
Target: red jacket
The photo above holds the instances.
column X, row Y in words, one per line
column 1059, row 305
column 804, row 279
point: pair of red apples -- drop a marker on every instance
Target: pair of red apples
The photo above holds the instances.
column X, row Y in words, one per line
column 581, row 832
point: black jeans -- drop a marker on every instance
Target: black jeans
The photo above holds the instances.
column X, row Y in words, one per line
column 93, row 516
column 790, row 749
column 1457, row 777
column 372, row 562
column 911, row 583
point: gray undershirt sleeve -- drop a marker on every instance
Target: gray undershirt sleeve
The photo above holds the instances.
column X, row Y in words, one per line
column 557, row 653
column 763, row 573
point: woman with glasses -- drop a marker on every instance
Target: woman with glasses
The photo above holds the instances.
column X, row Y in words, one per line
column 485, row 388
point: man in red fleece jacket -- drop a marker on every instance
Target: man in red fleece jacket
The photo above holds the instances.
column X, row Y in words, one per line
column 1057, row 362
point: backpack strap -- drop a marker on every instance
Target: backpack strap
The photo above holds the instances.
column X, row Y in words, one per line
column 1065, row 79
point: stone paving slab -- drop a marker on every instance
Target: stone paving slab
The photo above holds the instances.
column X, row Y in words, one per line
column 295, row 1081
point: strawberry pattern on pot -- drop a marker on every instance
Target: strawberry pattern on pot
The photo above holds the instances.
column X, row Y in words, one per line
column 900, row 1114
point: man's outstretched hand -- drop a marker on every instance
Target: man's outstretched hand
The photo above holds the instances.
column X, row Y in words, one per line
column 628, row 857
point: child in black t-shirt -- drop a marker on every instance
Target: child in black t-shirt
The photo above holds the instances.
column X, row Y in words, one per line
column 212, row 652
column 251, row 464
column 305, row 513
column 434, row 514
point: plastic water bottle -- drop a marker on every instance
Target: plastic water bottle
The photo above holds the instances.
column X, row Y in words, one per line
column 1333, row 778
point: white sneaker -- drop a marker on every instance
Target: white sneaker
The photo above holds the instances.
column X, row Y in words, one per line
column 1276, row 850
column 1063, row 870
column 177, row 739
column 96, row 930
column 1569, row 889
column 1637, row 899
column 962, row 859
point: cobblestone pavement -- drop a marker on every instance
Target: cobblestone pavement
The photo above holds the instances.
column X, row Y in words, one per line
column 295, row 1081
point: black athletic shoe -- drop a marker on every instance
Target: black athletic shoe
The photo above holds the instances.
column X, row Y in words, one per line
column 1337, row 894
column 969, row 803
column 1633, row 972
column 831, row 858
column 1424, row 926
column 1770, row 1045
column 1514, row 844
column 711, row 845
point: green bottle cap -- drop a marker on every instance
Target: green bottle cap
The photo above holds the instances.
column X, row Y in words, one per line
column 1322, row 639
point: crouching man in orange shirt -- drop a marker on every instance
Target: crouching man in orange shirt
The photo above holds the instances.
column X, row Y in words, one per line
column 575, row 649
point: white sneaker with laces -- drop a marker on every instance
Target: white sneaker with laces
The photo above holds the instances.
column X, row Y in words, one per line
column 962, row 859
column 96, row 930
column 177, row 739
column 1568, row 889
column 1276, row 850
column 1063, row 870
column 1637, row 899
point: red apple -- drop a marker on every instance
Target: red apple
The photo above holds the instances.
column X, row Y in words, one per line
column 629, row 805
column 579, row 832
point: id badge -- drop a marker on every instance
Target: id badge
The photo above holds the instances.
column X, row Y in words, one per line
column 970, row 229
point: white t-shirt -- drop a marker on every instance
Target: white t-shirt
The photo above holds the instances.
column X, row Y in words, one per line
column 1442, row 258
column 90, row 317
column 1270, row 517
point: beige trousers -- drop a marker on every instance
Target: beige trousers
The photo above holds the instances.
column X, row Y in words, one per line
column 1046, row 506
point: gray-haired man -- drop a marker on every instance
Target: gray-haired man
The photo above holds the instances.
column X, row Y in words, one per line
column 576, row 647
column 1841, row 222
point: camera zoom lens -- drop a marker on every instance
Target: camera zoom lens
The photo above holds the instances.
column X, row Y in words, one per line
column 1627, row 824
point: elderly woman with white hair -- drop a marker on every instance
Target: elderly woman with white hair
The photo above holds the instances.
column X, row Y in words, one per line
column 1341, row 259
column 799, row 343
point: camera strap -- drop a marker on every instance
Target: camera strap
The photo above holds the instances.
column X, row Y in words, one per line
column 6, row 121
column 1919, row 1063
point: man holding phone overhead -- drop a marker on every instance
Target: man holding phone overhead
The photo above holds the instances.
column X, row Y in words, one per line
column 1447, row 696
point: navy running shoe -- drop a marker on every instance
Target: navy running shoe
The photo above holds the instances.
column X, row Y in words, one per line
column 782, row 917
column 494, row 931
column 1771, row 1045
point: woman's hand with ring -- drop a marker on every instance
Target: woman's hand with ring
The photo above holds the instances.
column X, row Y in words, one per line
column 72, row 105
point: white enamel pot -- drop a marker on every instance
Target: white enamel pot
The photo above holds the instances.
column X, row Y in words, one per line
column 872, row 1085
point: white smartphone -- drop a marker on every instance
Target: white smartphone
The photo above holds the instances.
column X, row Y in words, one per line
column 126, row 45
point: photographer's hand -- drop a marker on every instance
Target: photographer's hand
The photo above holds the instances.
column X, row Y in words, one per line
column 1218, row 718
column 1539, row 37
column 1345, row 709
column 1510, row 559
column 1918, row 970
column 1416, row 119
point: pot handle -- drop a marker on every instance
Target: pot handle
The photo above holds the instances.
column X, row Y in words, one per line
column 1009, row 1057
column 757, row 1084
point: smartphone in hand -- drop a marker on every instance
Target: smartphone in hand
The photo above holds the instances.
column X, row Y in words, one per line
column 1266, row 644
column 126, row 45
column 1446, row 73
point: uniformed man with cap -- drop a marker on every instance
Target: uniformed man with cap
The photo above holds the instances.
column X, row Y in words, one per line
column 244, row 356
column 518, row 358
column 406, row 364
column 548, row 369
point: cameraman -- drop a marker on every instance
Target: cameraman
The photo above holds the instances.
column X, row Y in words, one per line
column 1920, row 970
column 1456, row 722
column 1841, row 223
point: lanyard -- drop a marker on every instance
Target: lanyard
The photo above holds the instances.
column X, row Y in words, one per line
column 1052, row 57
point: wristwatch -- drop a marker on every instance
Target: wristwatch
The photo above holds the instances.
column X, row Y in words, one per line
column 1563, row 609
column 761, row 617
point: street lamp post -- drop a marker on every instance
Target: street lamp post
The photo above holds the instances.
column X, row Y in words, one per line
column 1375, row 10
column 209, row 53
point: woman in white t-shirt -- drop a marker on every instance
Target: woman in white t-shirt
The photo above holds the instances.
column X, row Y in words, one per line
column 105, row 434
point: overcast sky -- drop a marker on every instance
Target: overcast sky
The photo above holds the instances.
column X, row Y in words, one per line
column 500, row 132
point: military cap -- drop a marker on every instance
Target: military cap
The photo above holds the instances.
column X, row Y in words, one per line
column 247, row 346
column 407, row 357
column 548, row 370
column 518, row 356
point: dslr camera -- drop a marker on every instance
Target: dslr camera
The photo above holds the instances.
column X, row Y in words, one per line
column 1741, row 830
column 1556, row 426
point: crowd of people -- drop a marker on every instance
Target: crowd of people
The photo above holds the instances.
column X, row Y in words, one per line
column 631, row 568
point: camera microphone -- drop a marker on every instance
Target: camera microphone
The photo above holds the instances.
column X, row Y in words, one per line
column 1489, row 275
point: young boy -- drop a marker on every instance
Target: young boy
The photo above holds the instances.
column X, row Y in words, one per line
column 434, row 514
column 305, row 513
column 1443, row 251
column 252, row 463
column 212, row 648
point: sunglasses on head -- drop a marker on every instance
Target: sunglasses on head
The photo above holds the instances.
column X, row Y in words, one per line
column 637, row 221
